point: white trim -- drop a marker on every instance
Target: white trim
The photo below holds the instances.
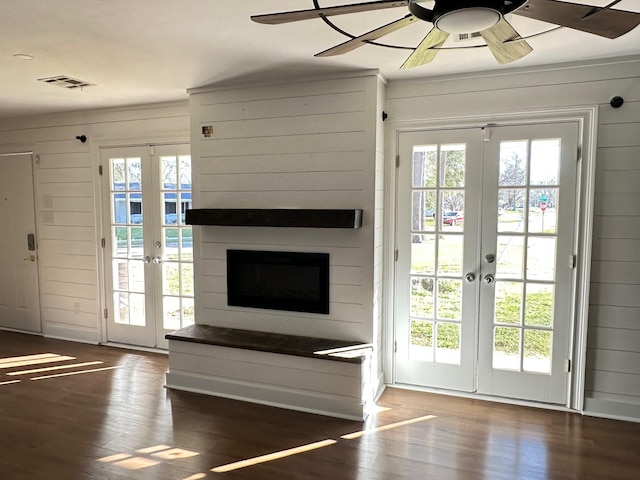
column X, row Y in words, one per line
column 587, row 118
column 136, row 347
column 235, row 84
column 629, row 412
column 487, row 398
column 71, row 333
column 96, row 148
column 586, row 186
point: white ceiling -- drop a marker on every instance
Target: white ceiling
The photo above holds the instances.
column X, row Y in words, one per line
column 146, row 51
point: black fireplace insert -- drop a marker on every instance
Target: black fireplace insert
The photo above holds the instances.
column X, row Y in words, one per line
column 292, row 281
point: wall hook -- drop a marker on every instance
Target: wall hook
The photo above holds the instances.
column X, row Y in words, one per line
column 82, row 138
column 616, row 102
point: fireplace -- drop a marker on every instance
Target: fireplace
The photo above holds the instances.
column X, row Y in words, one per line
column 292, row 281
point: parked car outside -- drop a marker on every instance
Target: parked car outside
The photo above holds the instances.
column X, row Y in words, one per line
column 452, row 218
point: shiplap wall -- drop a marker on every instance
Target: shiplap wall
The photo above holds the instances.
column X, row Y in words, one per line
column 65, row 190
column 613, row 355
column 310, row 144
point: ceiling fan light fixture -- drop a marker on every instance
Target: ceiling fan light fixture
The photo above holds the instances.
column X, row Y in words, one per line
column 466, row 20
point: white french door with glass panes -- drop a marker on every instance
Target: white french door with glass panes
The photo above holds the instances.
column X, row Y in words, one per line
column 485, row 270
column 148, row 247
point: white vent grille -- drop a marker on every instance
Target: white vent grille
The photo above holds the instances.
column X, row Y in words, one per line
column 66, row 82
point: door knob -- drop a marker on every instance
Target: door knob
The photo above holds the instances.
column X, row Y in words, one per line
column 31, row 258
column 469, row 277
column 146, row 259
column 488, row 279
column 157, row 259
column 490, row 258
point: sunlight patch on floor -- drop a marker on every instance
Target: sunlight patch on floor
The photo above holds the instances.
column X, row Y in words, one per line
column 272, row 456
column 159, row 452
column 351, row 436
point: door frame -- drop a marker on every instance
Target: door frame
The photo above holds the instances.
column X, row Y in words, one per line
column 35, row 160
column 96, row 149
column 587, row 137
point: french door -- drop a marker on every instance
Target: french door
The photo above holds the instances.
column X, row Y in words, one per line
column 148, row 247
column 485, row 270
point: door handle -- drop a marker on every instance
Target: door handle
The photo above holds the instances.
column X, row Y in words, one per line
column 157, row 259
column 490, row 258
column 469, row 277
column 489, row 279
column 31, row 258
column 146, row 259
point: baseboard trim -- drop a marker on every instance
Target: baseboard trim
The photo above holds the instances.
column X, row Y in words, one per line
column 321, row 404
column 628, row 412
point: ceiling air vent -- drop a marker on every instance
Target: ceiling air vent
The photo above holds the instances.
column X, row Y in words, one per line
column 66, row 82
column 465, row 37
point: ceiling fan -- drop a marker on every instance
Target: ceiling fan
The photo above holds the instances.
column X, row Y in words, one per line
column 467, row 16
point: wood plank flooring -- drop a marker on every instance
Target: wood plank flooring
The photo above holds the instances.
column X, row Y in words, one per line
column 73, row 419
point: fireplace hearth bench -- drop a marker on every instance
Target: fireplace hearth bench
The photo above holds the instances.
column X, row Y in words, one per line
column 317, row 375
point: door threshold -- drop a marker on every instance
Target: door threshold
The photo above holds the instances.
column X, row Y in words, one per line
column 136, row 347
column 487, row 398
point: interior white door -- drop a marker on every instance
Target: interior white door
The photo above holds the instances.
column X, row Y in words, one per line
column 484, row 296
column 19, row 289
column 148, row 248
column 528, row 264
column 437, row 235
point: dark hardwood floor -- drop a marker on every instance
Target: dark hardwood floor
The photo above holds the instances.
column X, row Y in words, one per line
column 116, row 421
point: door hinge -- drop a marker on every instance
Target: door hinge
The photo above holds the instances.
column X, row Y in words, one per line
column 579, row 154
column 103, row 242
column 106, row 313
column 567, row 365
column 151, row 151
column 395, row 346
column 99, row 169
column 37, row 158
column 572, row 261
column 397, row 161
column 395, row 256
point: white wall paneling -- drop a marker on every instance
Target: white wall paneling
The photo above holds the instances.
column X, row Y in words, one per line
column 66, row 199
column 615, row 285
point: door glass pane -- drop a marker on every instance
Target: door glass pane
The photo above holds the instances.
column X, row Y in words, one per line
column 450, row 252
column 438, row 181
column 506, row 348
column 523, row 318
column 537, row 351
column 424, row 211
column 541, row 258
column 449, row 299
column 186, row 244
column 511, row 209
column 508, row 303
column 510, row 257
column 545, row 162
column 448, row 343
column 513, row 164
column 422, row 297
column 177, row 268
column 539, row 305
column 542, row 210
column 425, row 166
column 421, row 344
column 127, row 270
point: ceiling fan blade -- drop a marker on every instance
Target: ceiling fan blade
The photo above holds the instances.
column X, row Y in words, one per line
column 426, row 50
column 604, row 22
column 372, row 35
column 295, row 16
column 505, row 43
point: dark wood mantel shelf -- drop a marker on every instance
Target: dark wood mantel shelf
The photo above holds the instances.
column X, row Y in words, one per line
column 278, row 217
column 321, row 348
